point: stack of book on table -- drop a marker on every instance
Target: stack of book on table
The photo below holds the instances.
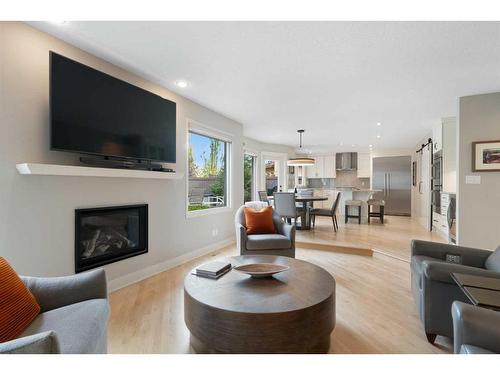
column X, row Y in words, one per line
column 213, row 270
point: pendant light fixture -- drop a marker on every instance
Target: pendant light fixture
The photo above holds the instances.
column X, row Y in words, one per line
column 301, row 161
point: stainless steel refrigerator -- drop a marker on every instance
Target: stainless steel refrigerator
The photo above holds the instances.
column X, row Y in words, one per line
column 392, row 175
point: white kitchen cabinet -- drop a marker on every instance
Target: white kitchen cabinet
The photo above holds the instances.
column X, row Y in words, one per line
column 309, row 171
column 324, row 167
column 364, row 161
column 320, row 166
column 329, row 167
column 312, row 171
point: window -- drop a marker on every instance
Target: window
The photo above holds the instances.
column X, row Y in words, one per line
column 272, row 176
column 249, row 176
column 208, row 183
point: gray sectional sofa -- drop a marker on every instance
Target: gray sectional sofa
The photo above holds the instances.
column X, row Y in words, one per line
column 433, row 288
column 475, row 330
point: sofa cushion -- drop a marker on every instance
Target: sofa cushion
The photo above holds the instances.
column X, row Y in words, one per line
column 79, row 327
column 493, row 261
column 471, row 349
column 18, row 307
column 267, row 241
column 259, row 222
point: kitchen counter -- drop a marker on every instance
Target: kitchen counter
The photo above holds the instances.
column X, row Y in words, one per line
column 348, row 193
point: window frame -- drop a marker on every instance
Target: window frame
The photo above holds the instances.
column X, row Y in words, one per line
column 227, row 138
column 255, row 172
column 281, row 158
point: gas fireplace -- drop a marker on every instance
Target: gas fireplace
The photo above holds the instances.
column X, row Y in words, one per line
column 109, row 234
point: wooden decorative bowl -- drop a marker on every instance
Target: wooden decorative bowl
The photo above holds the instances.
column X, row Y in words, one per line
column 261, row 270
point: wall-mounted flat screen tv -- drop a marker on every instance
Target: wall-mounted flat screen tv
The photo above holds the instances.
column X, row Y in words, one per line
column 94, row 113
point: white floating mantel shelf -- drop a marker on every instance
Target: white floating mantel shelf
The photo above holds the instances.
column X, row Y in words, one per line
column 72, row 170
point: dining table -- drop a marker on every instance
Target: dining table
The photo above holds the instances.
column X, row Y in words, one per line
column 305, row 217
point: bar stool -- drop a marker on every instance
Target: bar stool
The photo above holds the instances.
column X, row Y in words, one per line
column 353, row 203
column 380, row 214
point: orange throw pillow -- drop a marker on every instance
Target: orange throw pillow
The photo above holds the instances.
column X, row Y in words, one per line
column 259, row 222
column 18, row 307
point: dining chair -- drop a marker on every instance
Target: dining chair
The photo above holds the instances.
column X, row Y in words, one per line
column 327, row 212
column 284, row 205
column 263, row 196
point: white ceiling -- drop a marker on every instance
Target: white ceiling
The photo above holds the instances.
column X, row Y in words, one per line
column 334, row 79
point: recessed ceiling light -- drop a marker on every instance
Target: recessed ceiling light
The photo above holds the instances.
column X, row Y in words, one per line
column 370, row 146
column 378, row 135
column 378, row 123
column 353, row 145
column 341, row 143
column 181, row 83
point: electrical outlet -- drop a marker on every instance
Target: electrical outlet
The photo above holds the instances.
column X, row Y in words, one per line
column 215, row 232
column 473, row 180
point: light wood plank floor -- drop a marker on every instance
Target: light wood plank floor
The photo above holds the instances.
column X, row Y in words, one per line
column 392, row 238
column 375, row 309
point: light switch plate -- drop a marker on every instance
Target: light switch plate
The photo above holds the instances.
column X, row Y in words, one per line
column 473, row 180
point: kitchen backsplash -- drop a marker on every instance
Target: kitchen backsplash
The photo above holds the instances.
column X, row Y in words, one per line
column 350, row 179
column 321, row 183
column 343, row 179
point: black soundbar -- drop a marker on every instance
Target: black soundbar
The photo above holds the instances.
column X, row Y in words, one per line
column 107, row 162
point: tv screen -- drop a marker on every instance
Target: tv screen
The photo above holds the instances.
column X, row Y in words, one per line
column 94, row 113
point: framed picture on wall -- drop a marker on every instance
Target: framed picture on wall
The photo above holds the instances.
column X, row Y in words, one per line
column 414, row 173
column 486, row 156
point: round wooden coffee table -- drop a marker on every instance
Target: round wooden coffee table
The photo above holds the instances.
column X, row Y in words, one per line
column 292, row 312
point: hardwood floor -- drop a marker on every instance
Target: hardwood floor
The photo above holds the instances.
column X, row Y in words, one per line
column 392, row 238
column 375, row 309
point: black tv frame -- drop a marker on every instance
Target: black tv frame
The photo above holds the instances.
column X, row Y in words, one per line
column 108, row 160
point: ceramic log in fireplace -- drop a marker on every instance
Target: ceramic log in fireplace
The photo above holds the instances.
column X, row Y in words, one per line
column 109, row 234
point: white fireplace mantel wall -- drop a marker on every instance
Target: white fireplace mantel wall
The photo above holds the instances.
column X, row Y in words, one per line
column 37, row 211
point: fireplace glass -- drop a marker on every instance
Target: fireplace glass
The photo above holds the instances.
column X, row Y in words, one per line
column 109, row 234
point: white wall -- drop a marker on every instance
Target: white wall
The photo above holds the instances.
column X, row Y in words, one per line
column 478, row 206
column 450, row 155
column 421, row 200
column 37, row 212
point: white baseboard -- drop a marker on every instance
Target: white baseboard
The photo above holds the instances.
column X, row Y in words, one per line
column 144, row 273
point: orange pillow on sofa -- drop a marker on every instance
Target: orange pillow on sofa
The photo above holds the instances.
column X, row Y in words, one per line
column 18, row 307
column 259, row 222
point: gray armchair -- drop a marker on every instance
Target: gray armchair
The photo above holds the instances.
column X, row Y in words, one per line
column 476, row 330
column 433, row 288
column 73, row 317
column 282, row 243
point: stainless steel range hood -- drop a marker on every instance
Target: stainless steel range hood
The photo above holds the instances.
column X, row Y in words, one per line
column 346, row 161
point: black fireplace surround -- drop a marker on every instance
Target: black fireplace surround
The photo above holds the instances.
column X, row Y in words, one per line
column 108, row 234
